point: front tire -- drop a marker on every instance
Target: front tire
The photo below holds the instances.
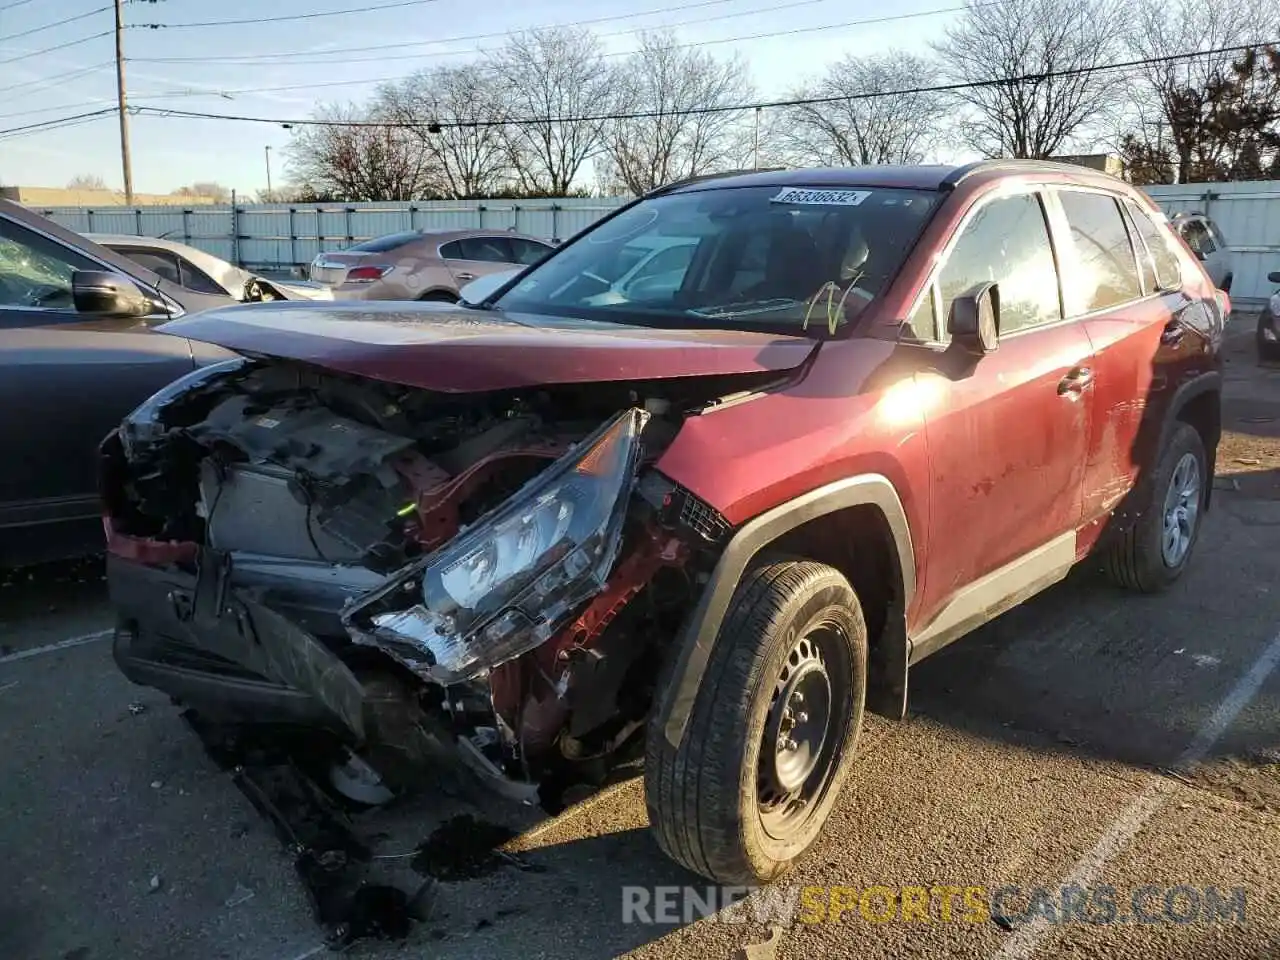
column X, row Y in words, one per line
column 1155, row 550
column 772, row 731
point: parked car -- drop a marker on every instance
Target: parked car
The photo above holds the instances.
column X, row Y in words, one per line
column 1206, row 241
column 1268, row 336
column 545, row 535
column 203, row 272
column 422, row 264
column 78, row 350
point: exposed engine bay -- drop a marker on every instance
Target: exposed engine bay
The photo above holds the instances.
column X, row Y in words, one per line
column 488, row 578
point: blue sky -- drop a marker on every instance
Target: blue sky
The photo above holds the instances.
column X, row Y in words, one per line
column 170, row 152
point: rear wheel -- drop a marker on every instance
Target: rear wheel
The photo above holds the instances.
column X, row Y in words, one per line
column 1155, row 550
column 772, row 730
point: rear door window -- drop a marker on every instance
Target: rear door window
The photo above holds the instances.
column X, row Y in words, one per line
column 160, row 262
column 193, row 278
column 1007, row 243
column 486, row 249
column 1198, row 237
column 1106, row 268
column 527, row 251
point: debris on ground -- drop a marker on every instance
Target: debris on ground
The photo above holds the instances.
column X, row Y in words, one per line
column 136, row 709
column 157, row 784
column 241, row 894
column 761, row 951
column 464, row 848
column 156, row 883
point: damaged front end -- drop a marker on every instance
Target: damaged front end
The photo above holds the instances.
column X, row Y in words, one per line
column 491, row 579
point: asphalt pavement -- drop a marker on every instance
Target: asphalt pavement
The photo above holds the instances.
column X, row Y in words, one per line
column 1089, row 739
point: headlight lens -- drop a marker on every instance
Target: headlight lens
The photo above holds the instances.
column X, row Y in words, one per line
column 1274, row 302
column 505, row 586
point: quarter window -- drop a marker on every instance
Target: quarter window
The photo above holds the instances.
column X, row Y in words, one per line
column 1106, row 268
column 1156, row 236
column 1006, row 242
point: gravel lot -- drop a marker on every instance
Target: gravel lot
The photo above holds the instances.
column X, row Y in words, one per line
column 1054, row 743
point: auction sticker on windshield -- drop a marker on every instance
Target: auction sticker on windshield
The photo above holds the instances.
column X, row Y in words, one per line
column 839, row 198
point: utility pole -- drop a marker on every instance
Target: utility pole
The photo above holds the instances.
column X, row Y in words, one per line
column 267, row 150
column 125, row 161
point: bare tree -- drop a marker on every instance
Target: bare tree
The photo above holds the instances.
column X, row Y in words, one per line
column 1032, row 70
column 452, row 112
column 349, row 159
column 1174, row 107
column 547, row 78
column 686, row 134
column 215, row 191
column 87, row 181
column 874, row 120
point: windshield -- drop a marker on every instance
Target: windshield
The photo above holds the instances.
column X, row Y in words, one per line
column 788, row 259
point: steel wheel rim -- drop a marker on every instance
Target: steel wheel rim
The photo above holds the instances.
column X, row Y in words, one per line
column 809, row 714
column 1181, row 510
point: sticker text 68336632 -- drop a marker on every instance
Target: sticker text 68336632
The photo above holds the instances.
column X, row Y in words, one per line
column 839, row 198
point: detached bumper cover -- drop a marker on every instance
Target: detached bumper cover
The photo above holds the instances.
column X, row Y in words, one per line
column 210, row 642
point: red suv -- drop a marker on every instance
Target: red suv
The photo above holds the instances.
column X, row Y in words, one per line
column 704, row 520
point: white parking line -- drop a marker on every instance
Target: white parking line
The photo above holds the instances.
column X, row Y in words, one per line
column 55, row 647
column 1124, row 828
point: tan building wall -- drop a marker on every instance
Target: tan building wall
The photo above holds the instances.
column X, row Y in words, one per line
column 62, row 197
column 1106, row 162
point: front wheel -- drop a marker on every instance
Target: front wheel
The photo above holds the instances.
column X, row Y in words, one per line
column 772, row 731
column 1155, row 550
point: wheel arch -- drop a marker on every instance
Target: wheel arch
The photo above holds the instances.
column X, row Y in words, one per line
column 1198, row 402
column 832, row 524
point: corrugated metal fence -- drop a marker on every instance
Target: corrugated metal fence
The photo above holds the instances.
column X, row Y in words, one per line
column 1248, row 214
column 282, row 237
column 288, row 236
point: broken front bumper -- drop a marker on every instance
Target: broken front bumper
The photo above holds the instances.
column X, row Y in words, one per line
column 209, row 640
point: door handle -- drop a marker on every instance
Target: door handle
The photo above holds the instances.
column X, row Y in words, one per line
column 1073, row 384
column 466, row 276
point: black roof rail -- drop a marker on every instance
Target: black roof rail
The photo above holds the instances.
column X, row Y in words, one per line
column 674, row 184
column 953, row 179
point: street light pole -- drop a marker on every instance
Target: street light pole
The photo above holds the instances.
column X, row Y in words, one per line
column 267, row 150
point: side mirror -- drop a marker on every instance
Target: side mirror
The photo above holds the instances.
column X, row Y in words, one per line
column 974, row 323
column 104, row 294
column 1274, row 276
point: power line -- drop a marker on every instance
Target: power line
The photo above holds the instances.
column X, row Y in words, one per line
column 284, row 55
column 60, row 121
column 295, row 16
column 14, row 6
column 45, row 81
column 61, row 46
column 619, row 33
column 59, row 23
column 698, row 111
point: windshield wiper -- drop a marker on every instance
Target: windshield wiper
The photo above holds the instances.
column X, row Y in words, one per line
column 728, row 311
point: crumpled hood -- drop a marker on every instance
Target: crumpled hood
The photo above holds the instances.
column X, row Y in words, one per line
column 457, row 350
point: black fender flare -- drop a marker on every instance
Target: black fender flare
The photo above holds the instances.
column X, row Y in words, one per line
column 698, row 635
column 1207, row 382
